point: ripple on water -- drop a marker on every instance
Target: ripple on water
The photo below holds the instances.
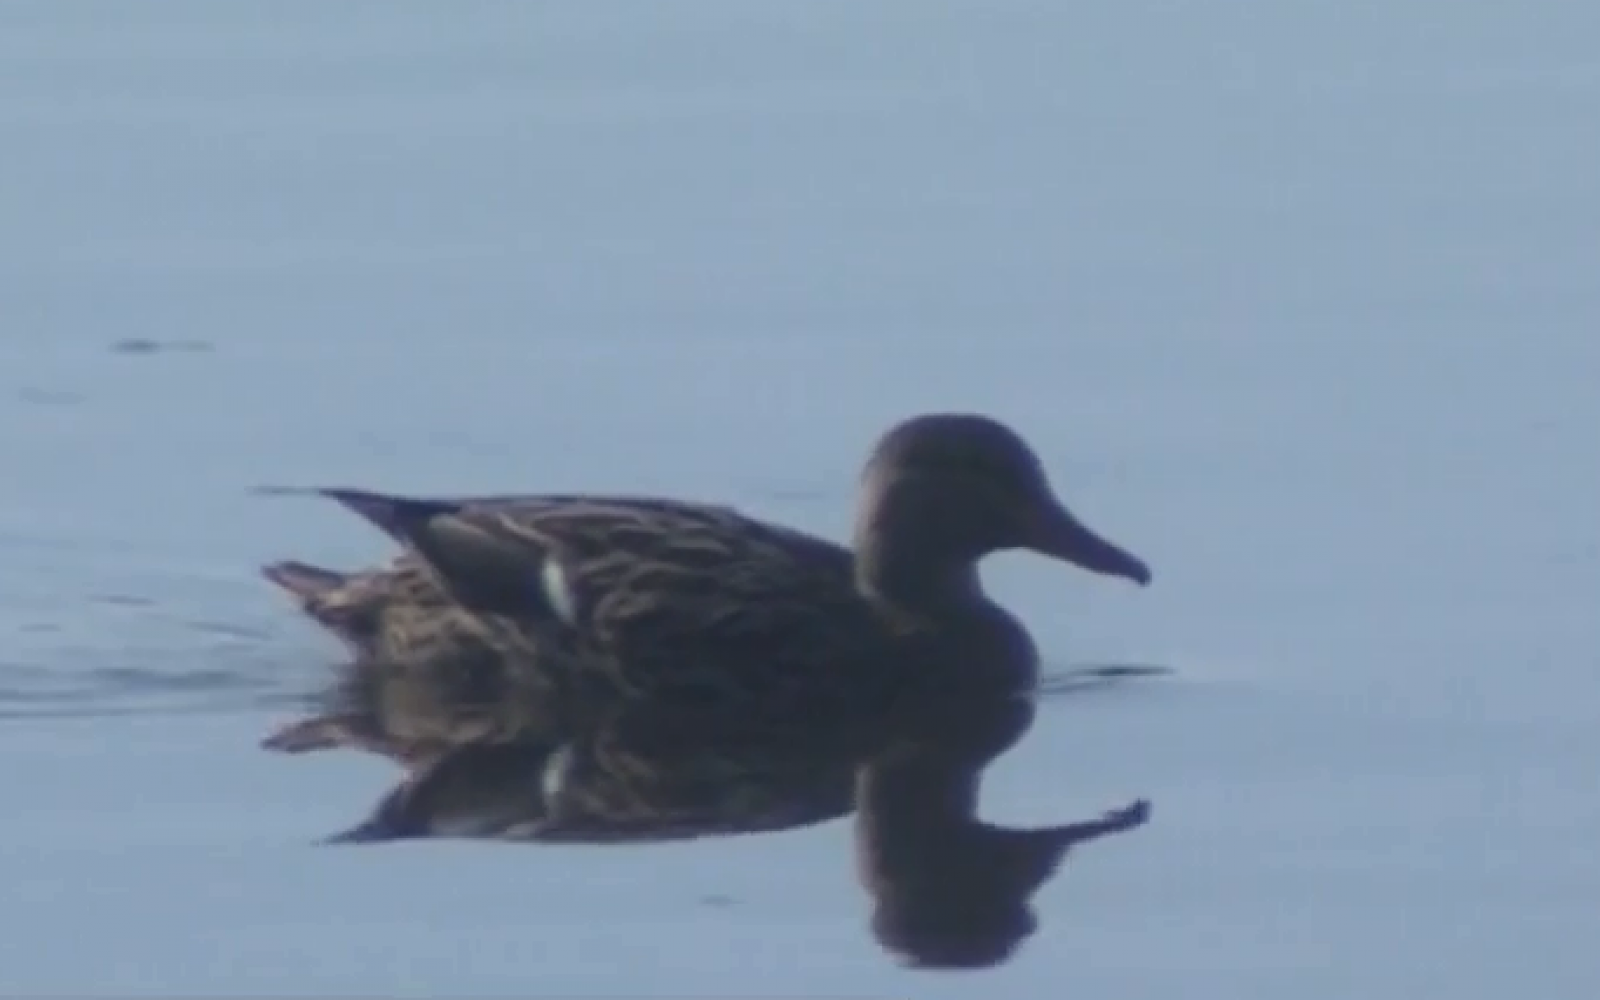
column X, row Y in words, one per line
column 116, row 654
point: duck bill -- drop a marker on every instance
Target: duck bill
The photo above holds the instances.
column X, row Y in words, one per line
column 1063, row 536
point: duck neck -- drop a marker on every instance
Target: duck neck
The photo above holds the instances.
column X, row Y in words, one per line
column 943, row 595
column 896, row 574
column 916, row 559
column 917, row 544
column 909, row 791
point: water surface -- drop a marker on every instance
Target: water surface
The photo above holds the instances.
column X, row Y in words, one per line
column 1297, row 303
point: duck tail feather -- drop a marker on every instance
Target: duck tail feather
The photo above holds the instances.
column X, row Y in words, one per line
column 321, row 733
column 304, row 580
column 396, row 516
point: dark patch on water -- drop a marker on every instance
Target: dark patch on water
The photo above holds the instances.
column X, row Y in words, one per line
column 231, row 630
column 123, row 600
column 49, row 397
column 146, row 345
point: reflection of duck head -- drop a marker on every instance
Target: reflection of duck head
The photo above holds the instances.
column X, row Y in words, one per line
column 949, row 890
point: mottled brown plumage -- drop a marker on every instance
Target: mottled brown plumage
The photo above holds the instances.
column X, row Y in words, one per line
column 589, row 601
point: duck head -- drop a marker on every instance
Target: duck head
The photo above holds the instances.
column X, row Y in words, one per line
column 942, row 491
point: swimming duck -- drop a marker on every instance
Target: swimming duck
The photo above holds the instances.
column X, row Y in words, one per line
column 596, row 599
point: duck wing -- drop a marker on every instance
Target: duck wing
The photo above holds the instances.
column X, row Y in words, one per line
column 640, row 595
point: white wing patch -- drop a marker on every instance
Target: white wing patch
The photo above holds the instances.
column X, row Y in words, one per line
column 553, row 780
column 558, row 591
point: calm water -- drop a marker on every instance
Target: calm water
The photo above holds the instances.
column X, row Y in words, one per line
column 1298, row 303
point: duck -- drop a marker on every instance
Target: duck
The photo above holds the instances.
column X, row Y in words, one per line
column 584, row 601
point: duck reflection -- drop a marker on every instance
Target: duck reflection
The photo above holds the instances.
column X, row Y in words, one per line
column 483, row 762
column 646, row 773
column 948, row 890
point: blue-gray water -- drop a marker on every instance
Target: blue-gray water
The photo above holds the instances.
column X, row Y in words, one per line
column 1298, row 301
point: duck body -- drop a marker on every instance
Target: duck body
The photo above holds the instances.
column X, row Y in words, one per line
column 578, row 602
column 588, row 601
